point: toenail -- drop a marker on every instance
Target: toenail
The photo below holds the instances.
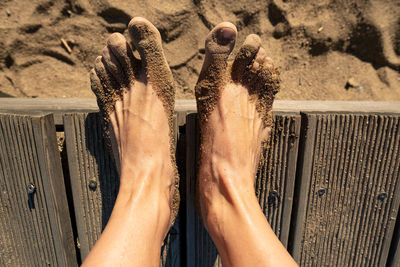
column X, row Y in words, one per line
column 260, row 59
column 256, row 65
column 105, row 51
column 261, row 53
column 98, row 60
column 225, row 36
column 115, row 38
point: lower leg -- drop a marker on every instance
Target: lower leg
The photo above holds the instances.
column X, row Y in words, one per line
column 237, row 225
column 234, row 103
column 136, row 229
column 230, row 208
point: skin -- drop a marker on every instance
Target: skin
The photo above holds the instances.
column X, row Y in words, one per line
column 231, row 139
column 230, row 145
column 141, row 216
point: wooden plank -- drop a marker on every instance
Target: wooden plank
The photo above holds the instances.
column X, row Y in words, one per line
column 373, row 107
column 274, row 186
column 95, row 183
column 35, row 226
column 277, row 172
column 60, row 106
column 56, row 106
column 348, row 196
column 56, row 198
column 303, row 168
column 89, row 104
column 93, row 198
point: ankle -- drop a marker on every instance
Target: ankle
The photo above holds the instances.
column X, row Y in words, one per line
column 224, row 192
column 147, row 177
column 147, row 206
column 146, row 186
column 221, row 178
column 222, row 216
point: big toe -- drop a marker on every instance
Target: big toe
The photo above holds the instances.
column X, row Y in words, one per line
column 221, row 39
column 219, row 44
column 147, row 40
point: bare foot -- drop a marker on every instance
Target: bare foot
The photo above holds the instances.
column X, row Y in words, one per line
column 234, row 102
column 136, row 98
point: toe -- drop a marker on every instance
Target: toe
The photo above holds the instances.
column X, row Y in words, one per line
column 254, row 69
column 221, row 39
column 260, row 59
column 219, row 44
column 262, row 80
column 103, row 100
column 268, row 63
column 112, row 65
column 120, row 49
column 97, row 88
column 246, row 56
column 107, row 80
column 266, row 72
column 147, row 40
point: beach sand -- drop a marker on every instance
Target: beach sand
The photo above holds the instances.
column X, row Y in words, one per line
column 325, row 50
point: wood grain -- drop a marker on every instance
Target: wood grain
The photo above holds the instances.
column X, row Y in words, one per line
column 35, row 226
column 95, row 183
column 348, row 197
column 62, row 106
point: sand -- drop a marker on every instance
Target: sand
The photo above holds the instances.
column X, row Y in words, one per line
column 262, row 83
column 111, row 82
column 318, row 47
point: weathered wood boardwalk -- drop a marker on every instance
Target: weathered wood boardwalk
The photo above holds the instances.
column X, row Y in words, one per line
column 329, row 183
column 35, row 229
column 349, row 191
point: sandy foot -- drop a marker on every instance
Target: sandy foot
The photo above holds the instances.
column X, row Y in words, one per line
column 136, row 98
column 234, row 102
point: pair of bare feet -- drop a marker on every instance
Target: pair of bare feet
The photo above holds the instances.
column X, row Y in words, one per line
column 234, row 102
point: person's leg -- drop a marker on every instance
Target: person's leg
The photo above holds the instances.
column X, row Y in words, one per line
column 234, row 104
column 137, row 99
